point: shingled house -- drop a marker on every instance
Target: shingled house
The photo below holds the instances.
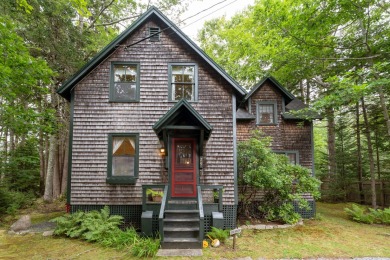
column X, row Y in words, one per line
column 152, row 114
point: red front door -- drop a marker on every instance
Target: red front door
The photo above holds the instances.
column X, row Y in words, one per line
column 183, row 162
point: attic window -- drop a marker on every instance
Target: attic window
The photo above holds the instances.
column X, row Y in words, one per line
column 154, row 34
column 266, row 113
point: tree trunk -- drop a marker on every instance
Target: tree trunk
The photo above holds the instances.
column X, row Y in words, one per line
column 5, row 154
column 331, row 142
column 359, row 155
column 48, row 195
column 384, row 109
column 56, row 173
column 308, row 88
column 370, row 156
column 64, row 180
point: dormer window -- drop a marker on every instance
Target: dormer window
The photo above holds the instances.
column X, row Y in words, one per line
column 154, row 34
column 266, row 113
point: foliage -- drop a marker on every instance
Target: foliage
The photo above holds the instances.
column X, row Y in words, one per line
column 100, row 227
column 145, row 247
column 359, row 214
column 11, row 201
column 91, row 226
column 154, row 193
column 23, row 168
column 220, row 234
column 120, row 239
column 282, row 183
column 368, row 216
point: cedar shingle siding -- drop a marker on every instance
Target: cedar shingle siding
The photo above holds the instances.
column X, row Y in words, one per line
column 95, row 117
column 286, row 134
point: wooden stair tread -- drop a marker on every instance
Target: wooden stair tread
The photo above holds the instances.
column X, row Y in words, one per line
column 178, row 239
column 181, row 219
column 181, row 228
column 181, row 211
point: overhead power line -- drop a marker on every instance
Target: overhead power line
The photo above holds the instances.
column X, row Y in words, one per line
column 204, row 10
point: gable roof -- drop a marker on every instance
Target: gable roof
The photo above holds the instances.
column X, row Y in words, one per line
column 68, row 85
column 276, row 83
column 182, row 110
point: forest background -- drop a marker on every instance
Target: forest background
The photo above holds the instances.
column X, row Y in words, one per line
column 333, row 55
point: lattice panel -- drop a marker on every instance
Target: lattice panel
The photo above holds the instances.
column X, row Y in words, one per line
column 230, row 216
column 311, row 213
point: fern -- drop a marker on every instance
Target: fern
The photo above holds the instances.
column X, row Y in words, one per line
column 91, row 226
column 359, row 214
column 145, row 247
column 220, row 234
column 120, row 239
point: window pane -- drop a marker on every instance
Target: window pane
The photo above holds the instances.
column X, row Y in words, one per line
column 186, row 76
column 125, row 73
column 292, row 158
column 123, row 166
column 124, row 91
column 123, row 154
column 266, row 113
column 184, row 155
column 188, row 92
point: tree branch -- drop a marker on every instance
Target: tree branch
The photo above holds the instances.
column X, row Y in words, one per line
column 100, row 13
column 118, row 21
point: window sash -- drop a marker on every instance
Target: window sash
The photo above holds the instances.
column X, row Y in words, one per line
column 266, row 113
column 123, row 158
column 183, row 82
column 124, row 84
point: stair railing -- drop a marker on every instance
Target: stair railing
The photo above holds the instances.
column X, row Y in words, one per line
column 161, row 215
column 201, row 213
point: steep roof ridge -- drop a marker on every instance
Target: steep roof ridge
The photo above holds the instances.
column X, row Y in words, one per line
column 68, row 85
column 259, row 84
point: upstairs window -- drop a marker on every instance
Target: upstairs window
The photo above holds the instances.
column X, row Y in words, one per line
column 124, row 86
column 266, row 113
column 154, row 34
column 122, row 158
column 183, row 82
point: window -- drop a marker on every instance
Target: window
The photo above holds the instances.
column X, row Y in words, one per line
column 124, row 82
column 266, row 113
column 154, row 34
column 122, row 166
column 183, row 82
column 293, row 156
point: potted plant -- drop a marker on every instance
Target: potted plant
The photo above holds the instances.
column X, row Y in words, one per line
column 156, row 195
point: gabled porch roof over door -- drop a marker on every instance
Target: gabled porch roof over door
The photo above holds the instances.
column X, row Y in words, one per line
column 183, row 116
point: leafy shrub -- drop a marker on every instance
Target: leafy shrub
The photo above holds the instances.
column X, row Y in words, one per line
column 220, row 234
column 282, row 182
column 91, row 226
column 146, row 247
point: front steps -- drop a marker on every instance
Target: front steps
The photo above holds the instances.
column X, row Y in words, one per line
column 181, row 229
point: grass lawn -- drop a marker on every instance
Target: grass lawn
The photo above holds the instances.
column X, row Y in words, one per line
column 330, row 235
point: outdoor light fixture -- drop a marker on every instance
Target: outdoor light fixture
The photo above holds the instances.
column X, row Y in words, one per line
column 162, row 151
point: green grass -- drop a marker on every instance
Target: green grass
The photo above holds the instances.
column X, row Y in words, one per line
column 331, row 235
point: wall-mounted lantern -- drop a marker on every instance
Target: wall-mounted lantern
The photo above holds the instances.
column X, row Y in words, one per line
column 162, row 151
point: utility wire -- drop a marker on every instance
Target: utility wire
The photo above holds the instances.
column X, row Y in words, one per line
column 204, row 10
